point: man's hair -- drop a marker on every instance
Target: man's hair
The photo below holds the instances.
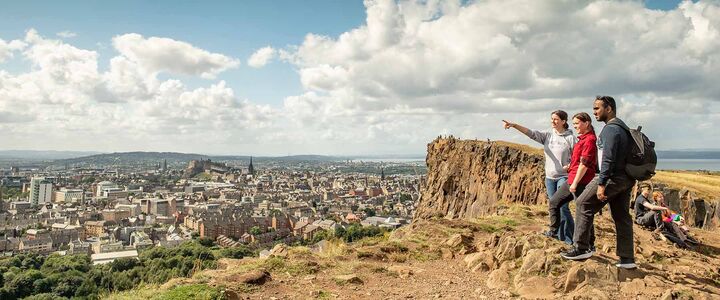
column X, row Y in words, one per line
column 608, row 101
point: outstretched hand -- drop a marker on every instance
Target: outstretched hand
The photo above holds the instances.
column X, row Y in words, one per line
column 508, row 124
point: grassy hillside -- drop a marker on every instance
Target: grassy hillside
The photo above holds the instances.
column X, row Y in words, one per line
column 703, row 184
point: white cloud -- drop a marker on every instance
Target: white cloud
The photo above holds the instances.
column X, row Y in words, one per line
column 506, row 58
column 156, row 54
column 7, row 48
column 261, row 57
column 66, row 34
column 413, row 71
column 67, row 101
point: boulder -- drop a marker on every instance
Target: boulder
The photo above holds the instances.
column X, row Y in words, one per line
column 459, row 240
column 256, row 277
column 499, row 279
column 402, row 271
column 534, row 263
column 537, row 287
column 280, row 250
column 591, row 273
column 509, row 248
column 348, row 279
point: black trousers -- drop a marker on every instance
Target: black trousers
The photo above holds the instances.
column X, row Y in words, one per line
column 617, row 191
column 561, row 196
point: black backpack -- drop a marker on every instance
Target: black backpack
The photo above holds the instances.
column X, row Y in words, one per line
column 642, row 159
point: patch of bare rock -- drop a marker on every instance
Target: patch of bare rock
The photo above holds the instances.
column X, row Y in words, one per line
column 528, row 266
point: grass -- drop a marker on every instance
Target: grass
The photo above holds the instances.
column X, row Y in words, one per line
column 323, row 294
column 703, row 185
column 181, row 292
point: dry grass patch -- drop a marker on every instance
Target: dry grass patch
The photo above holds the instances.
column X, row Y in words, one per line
column 703, row 185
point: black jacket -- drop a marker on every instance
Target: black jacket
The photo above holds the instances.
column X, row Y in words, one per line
column 615, row 144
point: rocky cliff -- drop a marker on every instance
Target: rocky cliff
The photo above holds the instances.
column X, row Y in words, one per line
column 469, row 178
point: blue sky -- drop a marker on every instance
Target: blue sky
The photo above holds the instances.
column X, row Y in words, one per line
column 233, row 28
column 354, row 77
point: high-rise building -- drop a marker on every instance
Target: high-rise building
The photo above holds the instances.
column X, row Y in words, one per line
column 40, row 191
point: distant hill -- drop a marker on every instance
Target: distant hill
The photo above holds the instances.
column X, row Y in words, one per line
column 42, row 154
column 145, row 158
column 130, row 158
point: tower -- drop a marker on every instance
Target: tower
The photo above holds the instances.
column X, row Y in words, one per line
column 164, row 168
column 251, row 168
column 382, row 174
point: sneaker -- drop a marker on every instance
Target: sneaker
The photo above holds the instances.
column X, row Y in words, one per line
column 550, row 233
column 577, row 254
column 626, row 263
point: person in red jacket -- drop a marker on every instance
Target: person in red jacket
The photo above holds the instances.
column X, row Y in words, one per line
column 583, row 164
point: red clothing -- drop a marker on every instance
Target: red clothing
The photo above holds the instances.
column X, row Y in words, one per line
column 585, row 150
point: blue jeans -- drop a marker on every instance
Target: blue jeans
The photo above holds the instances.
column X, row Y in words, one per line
column 567, row 225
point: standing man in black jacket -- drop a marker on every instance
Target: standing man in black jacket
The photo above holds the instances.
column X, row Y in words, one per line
column 612, row 186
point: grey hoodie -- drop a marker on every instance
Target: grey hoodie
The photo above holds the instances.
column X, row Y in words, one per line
column 558, row 150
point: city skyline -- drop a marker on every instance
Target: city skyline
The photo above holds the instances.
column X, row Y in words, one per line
column 263, row 79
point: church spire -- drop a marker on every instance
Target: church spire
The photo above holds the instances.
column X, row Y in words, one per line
column 251, row 168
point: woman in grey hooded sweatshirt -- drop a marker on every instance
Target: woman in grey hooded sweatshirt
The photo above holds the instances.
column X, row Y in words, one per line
column 558, row 143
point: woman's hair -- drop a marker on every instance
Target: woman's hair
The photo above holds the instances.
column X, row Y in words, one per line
column 583, row 116
column 562, row 115
column 657, row 195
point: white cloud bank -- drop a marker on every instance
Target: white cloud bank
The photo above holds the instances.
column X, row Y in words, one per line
column 461, row 68
column 413, row 71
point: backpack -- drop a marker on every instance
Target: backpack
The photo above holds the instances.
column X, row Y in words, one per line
column 642, row 159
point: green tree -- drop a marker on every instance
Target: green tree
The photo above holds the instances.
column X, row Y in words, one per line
column 206, row 241
column 255, row 230
column 236, row 252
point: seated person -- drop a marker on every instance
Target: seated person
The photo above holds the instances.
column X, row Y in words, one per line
column 647, row 212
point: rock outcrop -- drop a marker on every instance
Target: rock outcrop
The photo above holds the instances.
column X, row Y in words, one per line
column 698, row 212
column 468, row 178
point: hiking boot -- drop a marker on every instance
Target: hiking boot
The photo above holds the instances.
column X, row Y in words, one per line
column 626, row 263
column 577, row 254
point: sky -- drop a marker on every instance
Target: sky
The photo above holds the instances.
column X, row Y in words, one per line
column 347, row 77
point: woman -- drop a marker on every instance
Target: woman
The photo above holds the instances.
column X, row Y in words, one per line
column 583, row 164
column 558, row 143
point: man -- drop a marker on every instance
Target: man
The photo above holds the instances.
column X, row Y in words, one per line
column 647, row 212
column 612, row 186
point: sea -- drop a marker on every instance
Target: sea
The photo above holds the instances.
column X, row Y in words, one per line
column 663, row 163
column 688, row 164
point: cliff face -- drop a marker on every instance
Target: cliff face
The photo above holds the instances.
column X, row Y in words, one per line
column 467, row 179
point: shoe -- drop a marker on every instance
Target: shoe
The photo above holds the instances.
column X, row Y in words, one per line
column 577, row 254
column 550, row 233
column 626, row 263
column 592, row 249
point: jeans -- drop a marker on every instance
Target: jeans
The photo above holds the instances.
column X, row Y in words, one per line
column 651, row 219
column 567, row 225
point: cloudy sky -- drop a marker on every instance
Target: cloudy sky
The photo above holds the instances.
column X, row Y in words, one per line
column 347, row 77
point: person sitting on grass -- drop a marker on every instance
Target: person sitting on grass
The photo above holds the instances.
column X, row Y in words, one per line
column 647, row 212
